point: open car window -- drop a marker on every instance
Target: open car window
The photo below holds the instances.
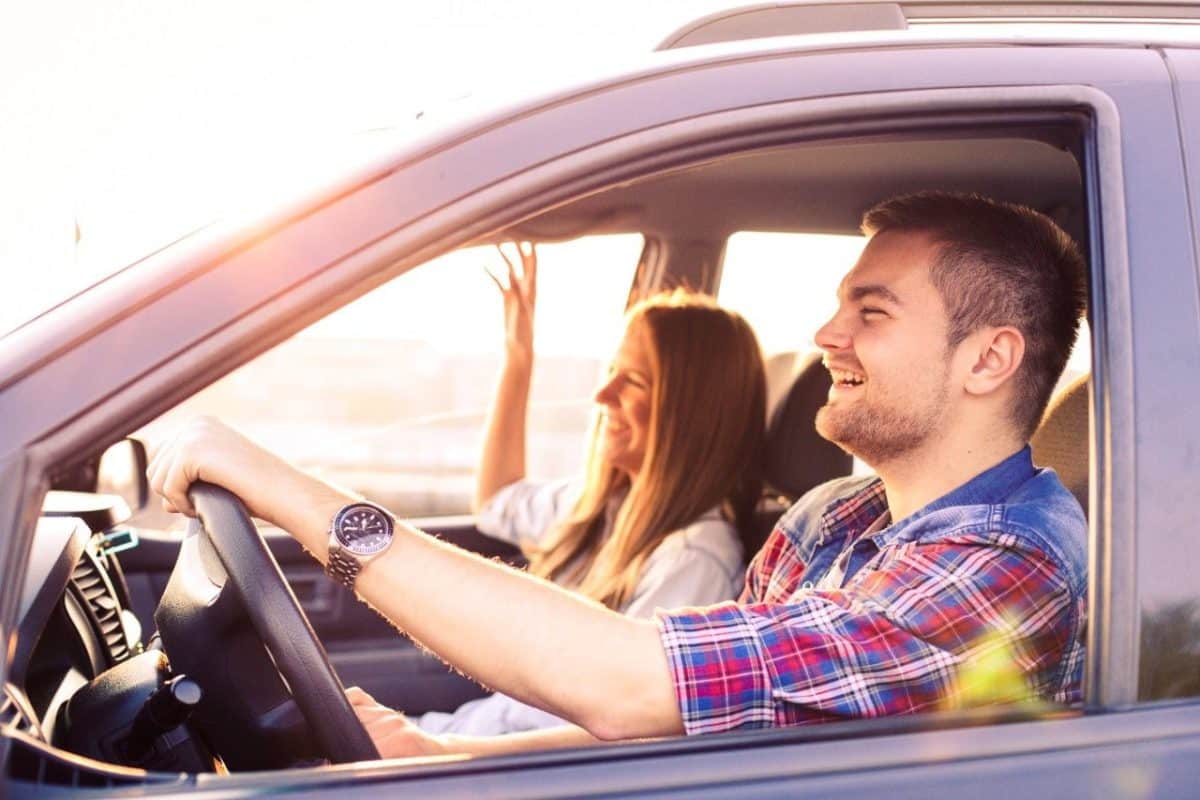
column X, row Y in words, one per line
column 785, row 284
column 388, row 395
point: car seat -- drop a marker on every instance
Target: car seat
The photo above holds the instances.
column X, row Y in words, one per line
column 1062, row 441
column 795, row 458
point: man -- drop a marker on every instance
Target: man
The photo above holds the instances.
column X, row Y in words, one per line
column 955, row 577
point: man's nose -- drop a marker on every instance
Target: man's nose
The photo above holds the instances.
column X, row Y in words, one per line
column 833, row 335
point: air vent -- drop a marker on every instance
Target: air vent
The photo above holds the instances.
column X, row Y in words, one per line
column 99, row 598
column 15, row 713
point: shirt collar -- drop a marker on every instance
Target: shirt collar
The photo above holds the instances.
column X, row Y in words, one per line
column 855, row 514
column 993, row 486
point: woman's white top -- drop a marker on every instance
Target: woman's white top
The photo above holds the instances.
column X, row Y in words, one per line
column 698, row 565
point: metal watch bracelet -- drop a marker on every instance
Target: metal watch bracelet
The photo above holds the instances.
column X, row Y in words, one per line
column 341, row 567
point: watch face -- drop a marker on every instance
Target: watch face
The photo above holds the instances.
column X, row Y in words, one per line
column 363, row 529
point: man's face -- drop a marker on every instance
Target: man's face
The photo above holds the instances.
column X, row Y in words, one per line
column 886, row 348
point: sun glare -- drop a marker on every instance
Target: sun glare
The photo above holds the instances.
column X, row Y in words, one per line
column 135, row 123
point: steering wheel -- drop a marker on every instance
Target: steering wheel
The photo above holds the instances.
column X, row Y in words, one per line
column 280, row 624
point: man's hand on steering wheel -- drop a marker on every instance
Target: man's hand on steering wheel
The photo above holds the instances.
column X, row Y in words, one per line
column 207, row 449
column 272, row 489
column 394, row 734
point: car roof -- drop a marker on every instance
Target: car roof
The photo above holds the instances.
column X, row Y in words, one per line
column 825, row 16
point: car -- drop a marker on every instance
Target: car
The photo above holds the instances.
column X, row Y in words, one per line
column 141, row 661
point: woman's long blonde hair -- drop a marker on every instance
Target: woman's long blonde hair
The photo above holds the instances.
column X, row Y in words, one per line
column 708, row 399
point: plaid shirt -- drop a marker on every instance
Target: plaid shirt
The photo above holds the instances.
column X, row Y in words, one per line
column 977, row 598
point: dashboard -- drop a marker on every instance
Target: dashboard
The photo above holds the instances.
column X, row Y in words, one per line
column 81, row 679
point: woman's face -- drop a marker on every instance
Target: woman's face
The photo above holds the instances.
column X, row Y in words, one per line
column 624, row 399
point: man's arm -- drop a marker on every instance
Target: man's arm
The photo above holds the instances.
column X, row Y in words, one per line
column 932, row 626
column 515, row 633
column 523, row 636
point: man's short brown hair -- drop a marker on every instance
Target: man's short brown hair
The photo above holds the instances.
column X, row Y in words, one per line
column 999, row 264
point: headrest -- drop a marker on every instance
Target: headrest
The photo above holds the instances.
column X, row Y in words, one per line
column 796, row 458
column 1061, row 441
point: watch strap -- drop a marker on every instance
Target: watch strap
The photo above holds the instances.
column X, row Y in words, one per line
column 342, row 566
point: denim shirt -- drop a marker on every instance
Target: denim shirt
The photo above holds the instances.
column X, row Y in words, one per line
column 1012, row 498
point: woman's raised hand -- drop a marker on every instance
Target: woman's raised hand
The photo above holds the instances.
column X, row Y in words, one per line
column 502, row 460
column 519, row 288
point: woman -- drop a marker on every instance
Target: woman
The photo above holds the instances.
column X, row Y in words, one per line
column 671, row 477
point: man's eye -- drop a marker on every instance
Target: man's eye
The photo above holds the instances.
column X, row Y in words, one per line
column 867, row 312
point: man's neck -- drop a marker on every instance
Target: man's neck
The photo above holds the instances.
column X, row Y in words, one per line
column 921, row 476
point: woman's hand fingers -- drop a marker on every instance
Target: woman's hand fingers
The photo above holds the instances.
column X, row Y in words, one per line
column 519, row 292
column 524, row 282
column 504, row 255
column 529, row 264
column 499, row 283
column 513, row 282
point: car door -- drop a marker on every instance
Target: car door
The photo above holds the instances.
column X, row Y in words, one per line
column 1116, row 99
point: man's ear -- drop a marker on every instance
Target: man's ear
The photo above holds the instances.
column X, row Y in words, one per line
column 995, row 353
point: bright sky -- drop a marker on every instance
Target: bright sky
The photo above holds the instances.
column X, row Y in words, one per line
column 141, row 119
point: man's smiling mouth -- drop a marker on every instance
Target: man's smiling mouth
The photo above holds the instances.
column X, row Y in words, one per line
column 844, row 378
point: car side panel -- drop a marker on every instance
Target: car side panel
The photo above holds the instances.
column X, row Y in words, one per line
column 1163, row 194
column 1133, row 754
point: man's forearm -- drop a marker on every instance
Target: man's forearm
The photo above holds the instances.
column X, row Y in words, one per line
column 515, row 633
column 526, row 637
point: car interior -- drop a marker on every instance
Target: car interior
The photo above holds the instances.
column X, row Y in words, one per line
column 97, row 695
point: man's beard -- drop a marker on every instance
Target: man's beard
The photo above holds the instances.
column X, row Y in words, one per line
column 882, row 432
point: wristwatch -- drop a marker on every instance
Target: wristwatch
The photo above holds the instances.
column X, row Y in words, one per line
column 358, row 533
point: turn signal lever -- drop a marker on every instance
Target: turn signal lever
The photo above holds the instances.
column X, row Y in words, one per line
column 165, row 710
